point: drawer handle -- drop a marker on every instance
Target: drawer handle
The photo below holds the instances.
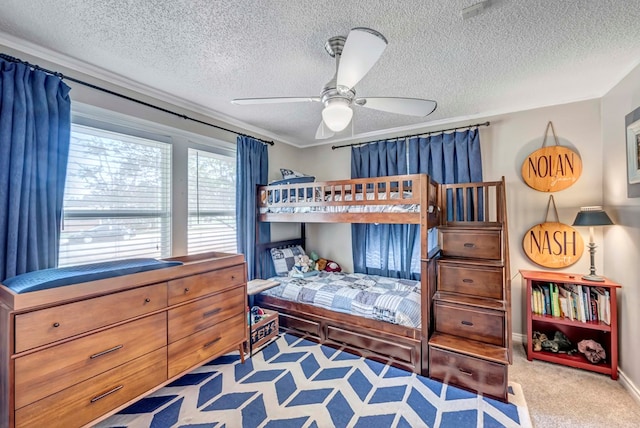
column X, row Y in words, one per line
column 465, row 371
column 212, row 312
column 99, row 354
column 186, row 290
column 147, row 300
column 206, row 345
column 56, row 324
column 469, row 323
column 233, row 277
column 468, row 280
column 469, row 244
column 101, row 396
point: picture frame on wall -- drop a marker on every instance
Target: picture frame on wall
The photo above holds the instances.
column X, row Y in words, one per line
column 632, row 123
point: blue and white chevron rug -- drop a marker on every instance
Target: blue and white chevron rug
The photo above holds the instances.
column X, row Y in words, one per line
column 294, row 382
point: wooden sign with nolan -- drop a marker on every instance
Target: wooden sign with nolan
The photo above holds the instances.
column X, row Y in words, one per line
column 553, row 244
column 550, row 169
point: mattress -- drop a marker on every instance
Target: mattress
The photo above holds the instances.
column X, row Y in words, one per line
column 392, row 300
column 360, row 208
column 59, row 277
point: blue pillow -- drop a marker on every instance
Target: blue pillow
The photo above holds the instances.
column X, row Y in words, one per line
column 58, row 277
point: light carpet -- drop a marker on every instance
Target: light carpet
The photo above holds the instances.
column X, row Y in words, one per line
column 294, row 382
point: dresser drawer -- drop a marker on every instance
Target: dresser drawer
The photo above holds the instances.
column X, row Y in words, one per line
column 49, row 325
column 183, row 289
column 192, row 317
column 43, row 373
column 483, row 325
column 472, row 280
column 88, row 400
column 472, row 373
column 205, row 344
column 478, row 244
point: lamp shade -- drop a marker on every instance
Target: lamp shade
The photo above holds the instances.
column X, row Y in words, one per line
column 592, row 216
column 337, row 114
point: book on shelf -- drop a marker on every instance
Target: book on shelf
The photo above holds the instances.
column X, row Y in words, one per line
column 547, row 300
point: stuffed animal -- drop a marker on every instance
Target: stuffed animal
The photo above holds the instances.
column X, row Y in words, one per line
column 537, row 340
column 559, row 344
column 592, row 350
column 303, row 264
column 332, row 266
column 321, row 264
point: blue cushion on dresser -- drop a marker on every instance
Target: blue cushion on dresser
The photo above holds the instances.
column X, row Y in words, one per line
column 58, row 277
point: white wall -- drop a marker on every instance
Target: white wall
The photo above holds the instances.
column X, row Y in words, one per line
column 622, row 241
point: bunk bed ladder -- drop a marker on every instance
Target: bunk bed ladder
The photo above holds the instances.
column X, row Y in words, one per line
column 471, row 345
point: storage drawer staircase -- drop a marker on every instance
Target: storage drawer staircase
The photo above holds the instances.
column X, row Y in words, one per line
column 471, row 342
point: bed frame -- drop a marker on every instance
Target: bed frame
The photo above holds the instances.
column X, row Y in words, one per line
column 400, row 346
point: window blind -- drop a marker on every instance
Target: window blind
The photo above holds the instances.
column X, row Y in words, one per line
column 212, row 201
column 117, row 201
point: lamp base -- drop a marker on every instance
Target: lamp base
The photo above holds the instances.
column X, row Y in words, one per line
column 596, row 278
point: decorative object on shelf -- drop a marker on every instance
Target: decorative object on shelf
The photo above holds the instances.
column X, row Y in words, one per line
column 553, row 244
column 632, row 123
column 553, row 168
column 537, row 340
column 592, row 216
column 559, row 344
column 592, row 350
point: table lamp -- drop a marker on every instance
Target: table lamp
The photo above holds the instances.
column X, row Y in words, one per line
column 592, row 216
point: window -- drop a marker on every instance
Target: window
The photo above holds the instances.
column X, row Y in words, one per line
column 212, row 202
column 117, row 201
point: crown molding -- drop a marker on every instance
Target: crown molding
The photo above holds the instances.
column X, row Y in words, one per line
column 93, row 71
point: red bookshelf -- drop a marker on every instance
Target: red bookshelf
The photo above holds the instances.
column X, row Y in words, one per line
column 601, row 332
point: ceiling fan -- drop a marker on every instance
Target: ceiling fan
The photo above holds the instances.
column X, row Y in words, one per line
column 355, row 55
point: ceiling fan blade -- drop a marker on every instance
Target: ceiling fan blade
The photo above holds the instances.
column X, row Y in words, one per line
column 408, row 106
column 274, row 100
column 361, row 51
column 323, row 132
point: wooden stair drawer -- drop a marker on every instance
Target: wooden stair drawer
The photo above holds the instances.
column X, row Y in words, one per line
column 204, row 313
column 88, row 400
column 476, row 244
column 192, row 350
column 483, row 325
column 486, row 377
column 184, row 289
column 472, row 280
column 49, row 325
column 46, row 372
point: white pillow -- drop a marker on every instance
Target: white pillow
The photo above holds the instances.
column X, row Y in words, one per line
column 289, row 173
column 285, row 258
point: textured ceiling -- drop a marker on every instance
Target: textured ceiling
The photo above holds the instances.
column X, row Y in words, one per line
column 517, row 54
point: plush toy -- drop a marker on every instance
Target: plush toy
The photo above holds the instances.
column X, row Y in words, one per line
column 592, row 350
column 559, row 344
column 321, row 264
column 537, row 340
column 303, row 264
column 332, row 266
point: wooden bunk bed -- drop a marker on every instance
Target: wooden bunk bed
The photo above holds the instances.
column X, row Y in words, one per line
column 405, row 199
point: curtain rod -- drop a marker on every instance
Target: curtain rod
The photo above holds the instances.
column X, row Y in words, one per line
column 413, row 135
column 126, row 97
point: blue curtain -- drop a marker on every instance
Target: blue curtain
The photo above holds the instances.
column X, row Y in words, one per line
column 448, row 158
column 252, row 166
column 394, row 250
column 35, row 126
column 381, row 249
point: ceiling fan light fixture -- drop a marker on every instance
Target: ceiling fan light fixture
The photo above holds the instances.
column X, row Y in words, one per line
column 337, row 114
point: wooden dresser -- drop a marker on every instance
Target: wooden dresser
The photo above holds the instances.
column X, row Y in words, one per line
column 73, row 355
